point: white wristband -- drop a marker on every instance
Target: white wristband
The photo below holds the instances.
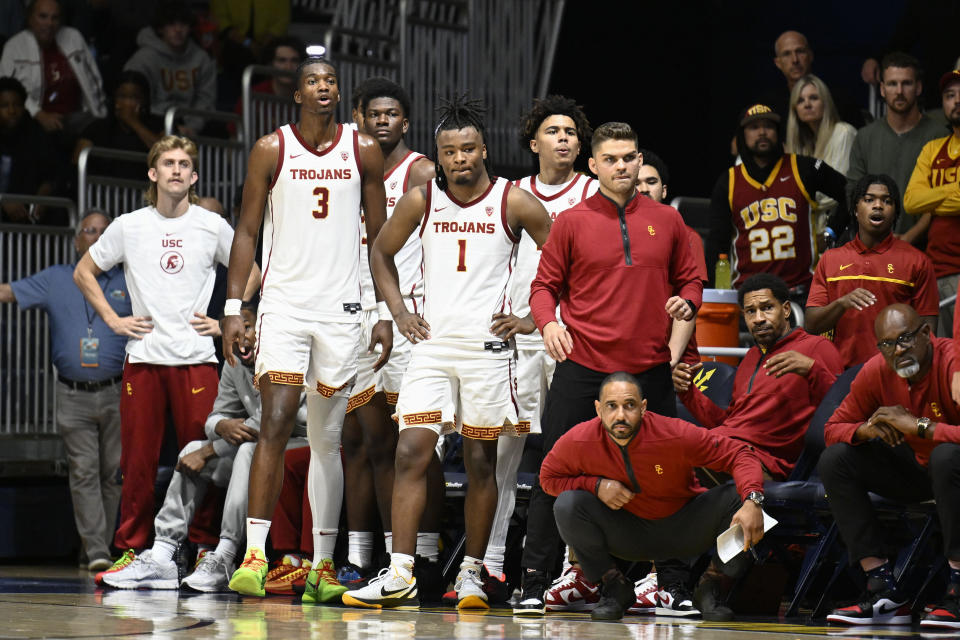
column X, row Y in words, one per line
column 384, row 311
column 232, row 307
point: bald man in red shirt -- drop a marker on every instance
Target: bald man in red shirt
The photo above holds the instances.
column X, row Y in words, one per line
column 897, row 434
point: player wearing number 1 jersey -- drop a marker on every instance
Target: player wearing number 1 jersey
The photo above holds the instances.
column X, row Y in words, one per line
column 462, row 368
column 553, row 130
column 312, row 177
column 764, row 206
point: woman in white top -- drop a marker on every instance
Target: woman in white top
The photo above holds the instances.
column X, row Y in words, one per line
column 814, row 129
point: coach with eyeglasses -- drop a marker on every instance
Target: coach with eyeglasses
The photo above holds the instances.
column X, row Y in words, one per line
column 89, row 361
column 896, row 434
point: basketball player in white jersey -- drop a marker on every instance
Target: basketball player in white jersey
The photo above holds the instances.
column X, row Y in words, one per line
column 553, row 130
column 382, row 113
column 169, row 252
column 462, row 372
column 312, row 177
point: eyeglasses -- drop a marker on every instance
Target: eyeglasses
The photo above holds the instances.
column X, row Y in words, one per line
column 91, row 230
column 905, row 340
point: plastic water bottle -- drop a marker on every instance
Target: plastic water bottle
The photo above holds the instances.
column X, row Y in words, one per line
column 721, row 278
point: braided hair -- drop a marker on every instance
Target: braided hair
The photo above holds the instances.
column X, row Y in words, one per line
column 460, row 113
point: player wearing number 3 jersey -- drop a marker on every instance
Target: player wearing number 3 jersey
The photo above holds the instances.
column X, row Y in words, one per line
column 312, row 178
column 461, row 371
column 764, row 207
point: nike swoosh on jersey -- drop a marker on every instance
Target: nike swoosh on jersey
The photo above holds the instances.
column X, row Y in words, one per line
column 195, row 390
column 292, row 156
column 439, row 208
column 784, row 178
column 844, row 266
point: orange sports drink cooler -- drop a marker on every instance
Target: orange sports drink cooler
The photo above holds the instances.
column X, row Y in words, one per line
column 718, row 323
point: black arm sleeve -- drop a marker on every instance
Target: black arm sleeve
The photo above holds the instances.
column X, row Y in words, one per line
column 817, row 175
column 721, row 228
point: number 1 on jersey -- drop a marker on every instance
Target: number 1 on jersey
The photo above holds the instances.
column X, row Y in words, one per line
column 323, row 196
column 462, row 263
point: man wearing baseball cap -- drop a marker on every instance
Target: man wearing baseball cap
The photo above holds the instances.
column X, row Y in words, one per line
column 934, row 187
column 762, row 208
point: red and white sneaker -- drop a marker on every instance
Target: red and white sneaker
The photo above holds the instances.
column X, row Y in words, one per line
column 646, row 591
column 572, row 592
column 883, row 607
column 946, row 614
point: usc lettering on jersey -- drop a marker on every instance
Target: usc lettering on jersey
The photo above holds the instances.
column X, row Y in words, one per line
column 468, row 252
column 409, row 258
column 578, row 189
column 943, row 244
column 310, row 239
column 773, row 225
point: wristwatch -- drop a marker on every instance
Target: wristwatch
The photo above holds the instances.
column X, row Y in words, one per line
column 757, row 498
column 922, row 425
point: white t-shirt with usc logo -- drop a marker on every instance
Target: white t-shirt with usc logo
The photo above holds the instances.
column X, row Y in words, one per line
column 170, row 266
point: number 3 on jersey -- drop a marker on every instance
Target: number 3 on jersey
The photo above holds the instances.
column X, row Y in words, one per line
column 323, row 202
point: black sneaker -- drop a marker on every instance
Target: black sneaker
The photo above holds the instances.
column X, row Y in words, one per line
column 709, row 598
column 675, row 600
column 886, row 606
column 535, row 584
column 429, row 577
column 616, row 596
column 945, row 615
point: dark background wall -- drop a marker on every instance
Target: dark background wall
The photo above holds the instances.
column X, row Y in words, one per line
column 679, row 72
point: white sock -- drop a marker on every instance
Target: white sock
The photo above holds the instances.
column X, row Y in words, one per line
column 257, row 531
column 163, row 551
column 470, row 562
column 388, row 541
column 402, row 564
column 566, row 560
column 428, row 545
column 324, row 542
column 226, row 550
column 360, row 551
column 493, row 559
column 203, row 547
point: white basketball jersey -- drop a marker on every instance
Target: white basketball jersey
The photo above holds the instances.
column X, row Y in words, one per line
column 555, row 199
column 409, row 258
column 310, row 239
column 468, row 250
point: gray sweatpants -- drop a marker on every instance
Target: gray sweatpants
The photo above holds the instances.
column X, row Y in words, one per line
column 89, row 423
column 186, row 492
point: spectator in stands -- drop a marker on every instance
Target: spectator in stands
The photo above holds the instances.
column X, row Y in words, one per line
column 890, row 145
column 169, row 250
column 88, row 357
column 814, row 127
column 625, row 488
column 933, row 189
column 247, row 29
column 797, row 371
column 29, row 163
column 223, row 458
column 652, row 181
column 896, row 435
column 64, row 89
column 284, row 54
column 130, row 126
column 180, row 72
column 875, row 269
column 768, row 201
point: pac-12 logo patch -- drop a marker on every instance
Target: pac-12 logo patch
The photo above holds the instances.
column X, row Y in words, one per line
column 344, row 155
column 572, row 200
column 393, row 185
column 489, row 211
column 171, row 262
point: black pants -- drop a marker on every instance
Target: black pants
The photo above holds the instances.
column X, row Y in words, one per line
column 570, row 402
column 598, row 533
column 850, row 472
